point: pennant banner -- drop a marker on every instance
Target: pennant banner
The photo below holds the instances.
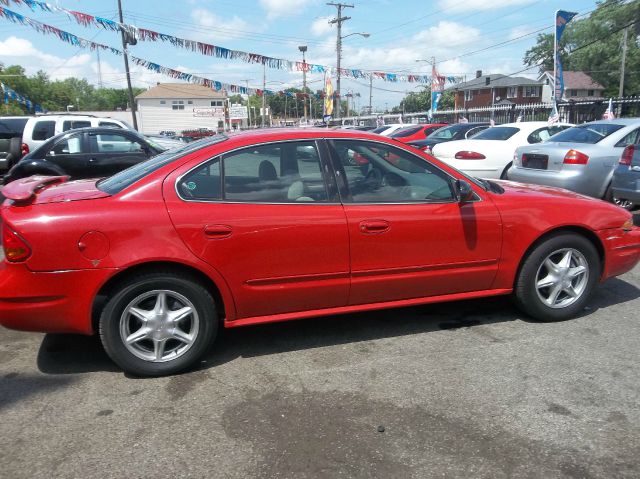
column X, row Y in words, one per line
column 10, row 94
column 562, row 18
column 143, row 34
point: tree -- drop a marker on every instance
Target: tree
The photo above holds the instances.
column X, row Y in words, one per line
column 594, row 45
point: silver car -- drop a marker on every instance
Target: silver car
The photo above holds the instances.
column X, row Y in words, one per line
column 581, row 159
column 626, row 177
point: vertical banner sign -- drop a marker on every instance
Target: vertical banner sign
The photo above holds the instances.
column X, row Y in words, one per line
column 328, row 97
column 562, row 18
column 437, row 87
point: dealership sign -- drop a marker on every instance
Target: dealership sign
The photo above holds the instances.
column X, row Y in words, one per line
column 203, row 112
column 238, row 112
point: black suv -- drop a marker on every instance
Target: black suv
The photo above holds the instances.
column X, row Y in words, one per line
column 11, row 128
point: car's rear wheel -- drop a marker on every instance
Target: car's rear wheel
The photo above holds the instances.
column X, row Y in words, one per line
column 158, row 323
column 623, row 203
column 557, row 278
column 505, row 174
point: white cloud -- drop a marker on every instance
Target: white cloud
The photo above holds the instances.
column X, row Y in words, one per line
column 518, row 32
column 220, row 28
column 321, row 26
column 278, row 8
column 470, row 5
column 447, row 36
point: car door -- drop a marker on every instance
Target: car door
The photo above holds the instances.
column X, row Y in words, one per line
column 114, row 151
column 268, row 218
column 71, row 155
column 409, row 236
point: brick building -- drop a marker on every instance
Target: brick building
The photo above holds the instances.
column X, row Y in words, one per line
column 497, row 89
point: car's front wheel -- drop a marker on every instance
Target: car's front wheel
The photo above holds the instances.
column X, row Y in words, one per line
column 158, row 323
column 557, row 278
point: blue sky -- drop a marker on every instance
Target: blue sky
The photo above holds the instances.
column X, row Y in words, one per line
column 402, row 31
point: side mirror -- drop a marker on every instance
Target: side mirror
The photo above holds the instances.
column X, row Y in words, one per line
column 463, row 191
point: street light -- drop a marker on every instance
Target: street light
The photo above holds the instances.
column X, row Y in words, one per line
column 303, row 49
column 339, row 54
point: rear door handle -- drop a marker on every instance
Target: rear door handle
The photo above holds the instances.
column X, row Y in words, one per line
column 373, row 227
column 217, row 231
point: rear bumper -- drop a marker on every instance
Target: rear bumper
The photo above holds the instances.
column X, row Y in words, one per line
column 622, row 250
column 626, row 184
column 49, row 302
column 569, row 179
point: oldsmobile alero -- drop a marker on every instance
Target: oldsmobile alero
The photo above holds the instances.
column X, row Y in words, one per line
column 277, row 225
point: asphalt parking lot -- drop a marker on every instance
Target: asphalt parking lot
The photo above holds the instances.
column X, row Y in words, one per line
column 470, row 389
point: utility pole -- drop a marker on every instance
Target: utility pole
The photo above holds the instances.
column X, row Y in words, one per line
column 370, row 94
column 623, row 61
column 338, row 20
column 248, row 103
column 303, row 49
column 127, row 40
column 264, row 94
column 99, row 69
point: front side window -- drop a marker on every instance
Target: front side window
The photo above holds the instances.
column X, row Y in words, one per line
column 43, row 130
column 380, row 173
column 287, row 172
column 73, row 124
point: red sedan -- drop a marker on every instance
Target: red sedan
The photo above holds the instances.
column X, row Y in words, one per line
column 277, row 225
column 415, row 132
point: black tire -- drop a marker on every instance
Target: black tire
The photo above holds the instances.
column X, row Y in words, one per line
column 529, row 297
column 504, row 175
column 179, row 290
column 622, row 203
column 15, row 151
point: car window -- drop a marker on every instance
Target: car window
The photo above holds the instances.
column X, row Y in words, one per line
column 13, row 125
column 476, row 130
column 587, row 133
column 380, row 173
column 114, row 143
column 497, row 133
column 380, row 129
column 543, row 134
column 632, row 138
column 43, row 130
column 408, row 131
column 73, row 124
column 109, row 124
column 445, row 133
column 286, row 172
column 68, row 146
column 203, row 183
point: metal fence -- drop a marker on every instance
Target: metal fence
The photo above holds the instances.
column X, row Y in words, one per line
column 569, row 111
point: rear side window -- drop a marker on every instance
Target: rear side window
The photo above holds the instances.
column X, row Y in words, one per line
column 404, row 132
column 13, row 125
column 43, row 130
column 543, row 134
column 73, row 124
column 497, row 133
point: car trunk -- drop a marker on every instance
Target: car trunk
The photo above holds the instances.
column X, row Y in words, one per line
column 50, row 189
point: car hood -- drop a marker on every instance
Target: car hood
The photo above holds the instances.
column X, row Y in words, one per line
column 51, row 189
column 522, row 191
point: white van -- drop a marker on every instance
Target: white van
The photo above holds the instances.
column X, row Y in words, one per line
column 40, row 128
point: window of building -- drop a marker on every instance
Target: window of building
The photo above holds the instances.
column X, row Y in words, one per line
column 531, row 91
column 217, row 102
column 162, row 102
column 590, row 93
column 177, row 105
column 378, row 173
column 512, row 92
column 468, row 95
column 573, row 92
column 189, row 102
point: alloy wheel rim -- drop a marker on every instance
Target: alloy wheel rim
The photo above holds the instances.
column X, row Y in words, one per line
column 562, row 278
column 159, row 326
column 626, row 204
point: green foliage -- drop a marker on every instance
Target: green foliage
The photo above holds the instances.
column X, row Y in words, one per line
column 56, row 95
column 421, row 101
column 589, row 45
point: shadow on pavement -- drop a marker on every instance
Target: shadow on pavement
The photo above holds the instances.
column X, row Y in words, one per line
column 15, row 387
column 67, row 354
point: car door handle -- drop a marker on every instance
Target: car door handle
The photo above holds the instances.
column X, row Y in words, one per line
column 91, row 160
column 635, row 168
column 374, row 226
column 217, row 231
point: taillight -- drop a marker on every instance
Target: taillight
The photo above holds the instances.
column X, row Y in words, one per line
column 24, row 148
column 469, row 155
column 574, row 157
column 15, row 248
column 627, row 155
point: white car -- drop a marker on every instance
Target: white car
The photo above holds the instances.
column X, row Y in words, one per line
column 489, row 154
column 39, row 129
column 386, row 130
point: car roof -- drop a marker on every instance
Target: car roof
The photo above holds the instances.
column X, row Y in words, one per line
column 618, row 121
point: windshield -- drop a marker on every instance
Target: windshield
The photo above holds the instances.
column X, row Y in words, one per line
column 447, row 132
column 408, row 131
column 497, row 133
column 118, row 182
column 589, row 133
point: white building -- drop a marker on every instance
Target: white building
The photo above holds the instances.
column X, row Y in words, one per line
column 180, row 106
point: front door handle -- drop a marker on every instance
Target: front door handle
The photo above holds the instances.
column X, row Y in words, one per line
column 217, row 231
column 373, row 227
